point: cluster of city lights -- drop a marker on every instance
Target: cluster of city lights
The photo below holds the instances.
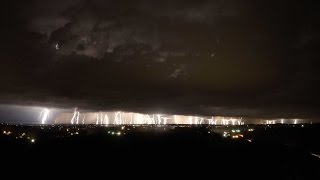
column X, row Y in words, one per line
column 19, row 136
column 235, row 134
column 118, row 133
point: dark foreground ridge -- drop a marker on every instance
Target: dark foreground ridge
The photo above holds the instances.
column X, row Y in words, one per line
column 276, row 151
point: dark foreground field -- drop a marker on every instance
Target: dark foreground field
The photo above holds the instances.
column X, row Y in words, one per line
column 254, row 152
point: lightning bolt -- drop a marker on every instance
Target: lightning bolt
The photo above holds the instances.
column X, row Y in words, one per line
column 190, row 120
column 75, row 117
column 84, row 117
column 106, row 119
column 99, row 118
column 158, row 119
column 44, row 115
column 118, row 118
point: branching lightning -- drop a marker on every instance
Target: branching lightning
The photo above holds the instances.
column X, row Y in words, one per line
column 122, row 118
column 75, row 117
column 44, row 115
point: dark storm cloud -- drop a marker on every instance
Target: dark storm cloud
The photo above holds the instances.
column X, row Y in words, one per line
column 200, row 57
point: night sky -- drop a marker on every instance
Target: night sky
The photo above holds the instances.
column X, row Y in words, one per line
column 206, row 57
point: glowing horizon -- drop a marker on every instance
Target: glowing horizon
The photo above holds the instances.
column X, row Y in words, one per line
column 127, row 118
column 120, row 118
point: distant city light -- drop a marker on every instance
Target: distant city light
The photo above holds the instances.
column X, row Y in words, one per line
column 33, row 140
column 225, row 134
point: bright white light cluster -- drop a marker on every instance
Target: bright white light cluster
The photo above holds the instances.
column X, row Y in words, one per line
column 282, row 121
column 122, row 118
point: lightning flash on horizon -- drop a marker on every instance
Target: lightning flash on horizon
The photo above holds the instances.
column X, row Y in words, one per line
column 44, row 115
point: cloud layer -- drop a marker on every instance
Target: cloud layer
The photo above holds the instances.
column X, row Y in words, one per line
column 199, row 57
